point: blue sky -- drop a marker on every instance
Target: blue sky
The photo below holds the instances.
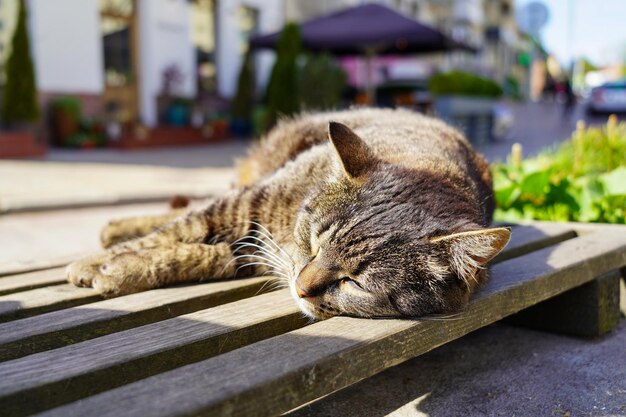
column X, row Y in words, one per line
column 597, row 29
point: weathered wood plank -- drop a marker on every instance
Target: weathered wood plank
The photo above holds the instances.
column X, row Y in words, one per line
column 590, row 310
column 59, row 376
column 300, row 366
column 48, row 331
column 42, row 300
column 31, row 280
column 528, row 238
column 41, row 240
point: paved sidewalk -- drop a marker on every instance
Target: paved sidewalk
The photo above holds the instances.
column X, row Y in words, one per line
column 98, row 177
column 496, row 371
column 67, row 178
column 537, row 126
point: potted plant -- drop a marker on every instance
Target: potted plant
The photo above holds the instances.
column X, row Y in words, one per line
column 66, row 119
column 467, row 101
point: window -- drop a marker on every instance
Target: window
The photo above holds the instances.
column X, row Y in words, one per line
column 116, row 27
column 203, row 37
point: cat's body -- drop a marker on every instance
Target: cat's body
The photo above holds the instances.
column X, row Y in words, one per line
column 385, row 219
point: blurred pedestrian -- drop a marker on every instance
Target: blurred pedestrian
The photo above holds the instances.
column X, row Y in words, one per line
column 569, row 99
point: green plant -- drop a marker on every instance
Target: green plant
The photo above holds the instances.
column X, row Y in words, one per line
column 322, row 82
column 282, row 95
column 584, row 179
column 243, row 103
column 70, row 105
column 20, row 92
column 512, row 87
column 463, row 83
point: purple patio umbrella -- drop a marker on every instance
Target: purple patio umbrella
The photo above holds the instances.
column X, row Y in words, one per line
column 368, row 27
column 369, row 30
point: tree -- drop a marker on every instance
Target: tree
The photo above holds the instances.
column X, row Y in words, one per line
column 20, row 91
column 243, row 103
column 322, row 82
column 282, row 90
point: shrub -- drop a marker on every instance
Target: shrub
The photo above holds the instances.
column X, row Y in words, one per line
column 243, row 103
column 463, row 83
column 20, row 92
column 583, row 179
column 322, row 82
column 282, row 90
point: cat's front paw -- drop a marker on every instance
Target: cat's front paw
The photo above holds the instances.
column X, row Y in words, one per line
column 111, row 274
column 82, row 273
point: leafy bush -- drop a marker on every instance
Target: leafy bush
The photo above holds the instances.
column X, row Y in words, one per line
column 321, row 83
column 20, row 92
column 463, row 83
column 583, row 179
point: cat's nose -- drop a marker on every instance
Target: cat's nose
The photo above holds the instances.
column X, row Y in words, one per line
column 301, row 293
column 313, row 280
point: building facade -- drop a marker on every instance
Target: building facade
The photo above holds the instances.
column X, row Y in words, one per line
column 122, row 55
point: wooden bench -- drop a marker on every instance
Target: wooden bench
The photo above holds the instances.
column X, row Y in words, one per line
column 231, row 348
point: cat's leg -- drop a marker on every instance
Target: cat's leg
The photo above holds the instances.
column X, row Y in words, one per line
column 144, row 269
column 190, row 228
column 122, row 230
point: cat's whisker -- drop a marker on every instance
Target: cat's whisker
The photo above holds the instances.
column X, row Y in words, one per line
column 269, row 286
column 264, row 251
column 269, row 250
column 268, row 236
column 256, row 256
column 257, row 263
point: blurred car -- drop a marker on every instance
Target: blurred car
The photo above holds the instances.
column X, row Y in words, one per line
column 608, row 98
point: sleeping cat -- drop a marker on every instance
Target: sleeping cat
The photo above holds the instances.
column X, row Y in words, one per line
column 366, row 212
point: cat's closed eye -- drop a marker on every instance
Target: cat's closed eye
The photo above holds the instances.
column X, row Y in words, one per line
column 348, row 284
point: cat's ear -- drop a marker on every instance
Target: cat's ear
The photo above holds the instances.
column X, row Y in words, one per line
column 469, row 251
column 354, row 154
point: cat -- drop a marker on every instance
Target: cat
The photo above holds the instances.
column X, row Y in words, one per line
column 364, row 212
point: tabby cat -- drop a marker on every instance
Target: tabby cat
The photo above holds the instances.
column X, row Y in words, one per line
column 366, row 212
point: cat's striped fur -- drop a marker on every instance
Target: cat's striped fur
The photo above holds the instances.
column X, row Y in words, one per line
column 387, row 218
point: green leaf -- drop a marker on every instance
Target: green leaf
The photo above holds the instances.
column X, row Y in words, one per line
column 614, row 182
column 536, row 183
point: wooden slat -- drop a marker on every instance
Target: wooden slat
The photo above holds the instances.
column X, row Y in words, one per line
column 525, row 239
column 42, row 300
column 24, row 337
column 291, row 369
column 62, row 375
column 32, row 280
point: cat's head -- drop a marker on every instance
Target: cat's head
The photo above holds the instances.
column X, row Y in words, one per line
column 372, row 241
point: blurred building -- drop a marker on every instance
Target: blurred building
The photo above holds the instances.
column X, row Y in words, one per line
column 488, row 25
column 121, row 55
